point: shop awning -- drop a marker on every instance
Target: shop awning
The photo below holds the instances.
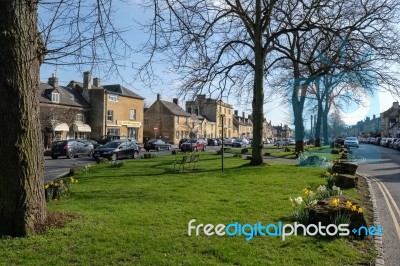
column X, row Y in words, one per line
column 80, row 127
column 61, row 127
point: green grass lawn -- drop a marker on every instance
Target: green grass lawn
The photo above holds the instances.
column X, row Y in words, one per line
column 139, row 214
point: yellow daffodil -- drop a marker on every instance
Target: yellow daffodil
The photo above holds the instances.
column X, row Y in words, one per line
column 360, row 210
column 76, row 180
column 306, row 191
column 354, row 208
column 46, row 186
column 335, row 202
column 348, row 204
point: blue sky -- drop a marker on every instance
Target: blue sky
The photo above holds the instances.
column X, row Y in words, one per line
column 126, row 16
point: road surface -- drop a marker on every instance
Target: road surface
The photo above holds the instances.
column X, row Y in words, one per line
column 384, row 165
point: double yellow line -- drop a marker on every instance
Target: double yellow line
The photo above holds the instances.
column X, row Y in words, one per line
column 389, row 202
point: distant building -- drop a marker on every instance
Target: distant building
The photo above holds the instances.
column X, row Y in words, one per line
column 390, row 118
column 216, row 112
column 281, row 132
column 243, row 125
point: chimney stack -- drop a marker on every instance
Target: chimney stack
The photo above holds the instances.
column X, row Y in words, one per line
column 236, row 112
column 175, row 101
column 243, row 115
column 96, row 82
column 87, row 80
column 158, row 97
column 53, row 81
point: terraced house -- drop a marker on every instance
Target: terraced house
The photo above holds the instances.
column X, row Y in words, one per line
column 89, row 110
column 217, row 114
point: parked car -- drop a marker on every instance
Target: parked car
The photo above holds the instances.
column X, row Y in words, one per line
column 117, row 149
column 392, row 143
column 193, row 145
column 228, row 141
column 157, row 144
column 351, row 142
column 383, row 142
column 71, row 148
column 182, row 141
column 281, row 142
column 378, row 141
column 291, row 142
column 212, row 142
column 90, row 141
column 240, row 142
column 339, row 142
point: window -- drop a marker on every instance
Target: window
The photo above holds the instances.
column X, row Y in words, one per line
column 177, row 135
column 132, row 114
column 110, row 115
column 55, row 97
column 80, row 118
column 113, row 132
column 146, row 120
column 177, row 119
column 113, row 97
column 187, row 120
column 229, row 111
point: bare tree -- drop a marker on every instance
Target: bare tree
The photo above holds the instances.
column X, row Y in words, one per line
column 225, row 46
column 75, row 30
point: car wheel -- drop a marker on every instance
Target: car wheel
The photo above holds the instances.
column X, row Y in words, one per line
column 54, row 156
column 158, row 149
column 135, row 155
column 169, row 148
column 71, row 155
column 114, row 157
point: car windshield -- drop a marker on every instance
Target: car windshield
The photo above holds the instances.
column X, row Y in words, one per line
column 351, row 138
column 111, row 145
column 193, row 140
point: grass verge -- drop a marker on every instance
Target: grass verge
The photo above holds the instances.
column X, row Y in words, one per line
column 139, row 214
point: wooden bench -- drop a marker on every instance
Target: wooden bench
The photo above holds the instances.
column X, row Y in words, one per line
column 191, row 160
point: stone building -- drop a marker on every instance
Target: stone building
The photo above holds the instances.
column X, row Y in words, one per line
column 63, row 113
column 86, row 110
column 216, row 112
column 167, row 120
column 115, row 110
column 243, row 125
column 390, row 118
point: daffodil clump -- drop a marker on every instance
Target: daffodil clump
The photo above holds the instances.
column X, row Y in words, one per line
column 54, row 190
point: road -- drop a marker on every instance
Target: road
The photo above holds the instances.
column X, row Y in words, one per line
column 384, row 165
column 59, row 167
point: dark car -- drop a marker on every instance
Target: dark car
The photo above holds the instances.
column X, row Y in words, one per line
column 212, row 142
column 193, row 145
column 117, row 149
column 157, row 144
column 71, row 148
column 182, row 141
column 240, row 143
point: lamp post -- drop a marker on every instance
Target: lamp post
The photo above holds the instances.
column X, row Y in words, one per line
column 222, row 116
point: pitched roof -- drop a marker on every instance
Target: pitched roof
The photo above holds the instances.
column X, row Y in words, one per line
column 174, row 108
column 68, row 96
column 114, row 88
column 121, row 90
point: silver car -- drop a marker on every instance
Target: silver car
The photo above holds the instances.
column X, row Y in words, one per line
column 351, row 142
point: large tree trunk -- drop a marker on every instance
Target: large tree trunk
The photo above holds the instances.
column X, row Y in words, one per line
column 258, row 92
column 22, row 203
